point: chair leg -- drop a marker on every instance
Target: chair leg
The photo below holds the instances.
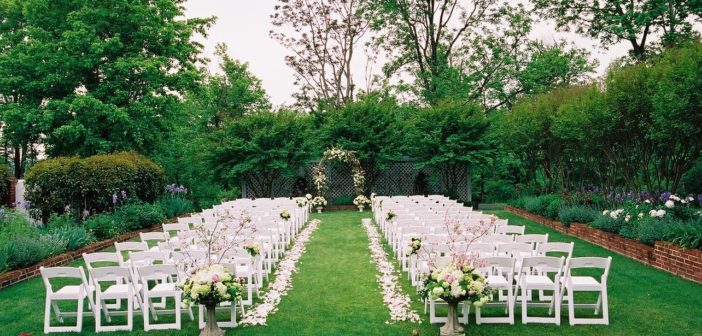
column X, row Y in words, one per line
column 57, row 312
column 554, row 298
column 599, row 302
column 524, row 308
column 605, row 306
column 571, row 307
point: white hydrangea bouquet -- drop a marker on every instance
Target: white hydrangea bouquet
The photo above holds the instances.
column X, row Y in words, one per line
column 455, row 283
column 319, row 201
column 253, row 247
column 211, row 285
column 414, row 244
column 301, row 202
column 285, row 214
column 361, row 200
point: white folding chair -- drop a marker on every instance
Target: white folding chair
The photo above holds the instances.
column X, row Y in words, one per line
column 170, row 228
column 572, row 284
column 482, row 250
column 119, row 287
column 554, row 249
column 78, row 292
column 528, row 281
column 496, row 239
column 102, row 259
column 533, row 239
column 154, row 237
column 125, row 247
column 510, row 230
column 230, row 307
column 499, row 273
column 163, row 290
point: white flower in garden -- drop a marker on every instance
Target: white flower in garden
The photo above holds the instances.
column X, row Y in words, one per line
column 605, row 212
column 660, row 213
column 647, row 201
column 690, row 199
column 653, row 213
column 641, row 214
column 674, row 198
column 669, row 204
column 627, row 218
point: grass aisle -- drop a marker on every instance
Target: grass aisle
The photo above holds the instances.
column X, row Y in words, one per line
column 335, row 291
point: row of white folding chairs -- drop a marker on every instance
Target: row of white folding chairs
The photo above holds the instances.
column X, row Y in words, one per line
column 113, row 283
column 553, row 274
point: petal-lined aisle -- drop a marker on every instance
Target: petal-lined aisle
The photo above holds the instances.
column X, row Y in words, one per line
column 335, row 291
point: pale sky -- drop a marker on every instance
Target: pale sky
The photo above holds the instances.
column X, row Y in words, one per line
column 244, row 25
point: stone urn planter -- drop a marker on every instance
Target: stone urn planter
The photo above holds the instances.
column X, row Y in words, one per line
column 452, row 327
column 211, row 327
column 319, row 209
column 360, row 208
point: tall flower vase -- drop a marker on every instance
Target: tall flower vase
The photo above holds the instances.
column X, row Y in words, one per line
column 211, row 327
column 360, row 208
column 319, row 209
column 452, row 327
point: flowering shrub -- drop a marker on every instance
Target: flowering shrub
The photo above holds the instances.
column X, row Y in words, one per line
column 285, row 214
column 210, row 285
column 319, row 176
column 455, row 283
column 361, row 200
column 318, row 201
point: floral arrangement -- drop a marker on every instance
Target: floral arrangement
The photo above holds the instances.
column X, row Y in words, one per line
column 301, row 201
column 253, row 247
column 285, row 214
column 319, row 201
column 455, row 283
column 319, row 177
column 361, row 200
column 308, row 197
column 390, row 215
column 210, row 285
column 372, row 196
column 415, row 243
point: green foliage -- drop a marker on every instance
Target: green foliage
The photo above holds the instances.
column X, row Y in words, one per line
column 74, row 236
column 545, row 205
column 88, row 184
column 175, row 206
column 259, row 148
column 369, row 127
column 65, row 220
column 687, row 235
column 343, row 200
column 692, row 180
column 105, row 226
column 139, row 216
column 450, row 137
column 607, row 223
column 570, row 214
column 25, row 251
column 5, row 175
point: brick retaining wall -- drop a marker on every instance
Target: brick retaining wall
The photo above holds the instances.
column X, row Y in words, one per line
column 672, row 258
column 12, row 277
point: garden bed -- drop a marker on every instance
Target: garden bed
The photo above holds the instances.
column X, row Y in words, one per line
column 686, row 263
column 12, row 277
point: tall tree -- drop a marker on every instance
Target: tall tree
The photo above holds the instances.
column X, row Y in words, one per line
column 634, row 21
column 323, row 44
column 470, row 51
column 231, row 94
column 106, row 75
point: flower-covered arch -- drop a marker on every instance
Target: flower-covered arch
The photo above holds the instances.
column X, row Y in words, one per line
column 319, row 173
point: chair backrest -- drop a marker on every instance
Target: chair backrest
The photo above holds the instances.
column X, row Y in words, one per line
column 482, row 249
column 143, row 258
column 101, row 257
column 130, row 247
column 117, row 274
column 543, row 264
column 496, row 239
column 510, row 229
column 532, row 238
column 497, row 266
column 48, row 273
column 589, row 262
column 157, row 272
column 153, row 236
column 554, row 247
column 515, row 250
column 175, row 227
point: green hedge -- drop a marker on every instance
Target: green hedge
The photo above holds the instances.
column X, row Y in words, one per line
column 88, row 184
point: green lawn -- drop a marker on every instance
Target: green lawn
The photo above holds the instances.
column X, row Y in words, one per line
column 335, row 293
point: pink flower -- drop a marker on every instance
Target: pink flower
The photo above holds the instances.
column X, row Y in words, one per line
column 216, row 278
column 449, row 278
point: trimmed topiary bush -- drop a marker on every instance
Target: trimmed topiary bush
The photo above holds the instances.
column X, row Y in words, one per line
column 104, row 226
column 89, row 184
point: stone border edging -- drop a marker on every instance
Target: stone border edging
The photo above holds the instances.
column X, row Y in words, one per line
column 669, row 257
column 15, row 276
